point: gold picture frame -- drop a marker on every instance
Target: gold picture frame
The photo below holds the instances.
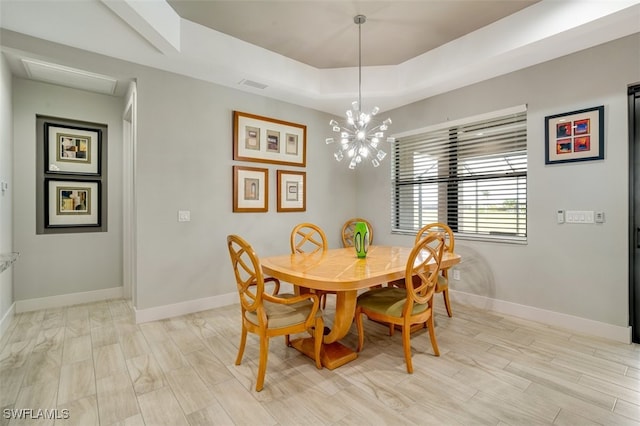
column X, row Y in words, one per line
column 292, row 192
column 250, row 189
column 268, row 140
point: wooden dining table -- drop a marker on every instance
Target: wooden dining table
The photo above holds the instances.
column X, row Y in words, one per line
column 341, row 271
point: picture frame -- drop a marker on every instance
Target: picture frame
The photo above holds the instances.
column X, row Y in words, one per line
column 71, row 149
column 250, row 189
column 575, row 136
column 292, row 194
column 268, row 140
column 72, row 203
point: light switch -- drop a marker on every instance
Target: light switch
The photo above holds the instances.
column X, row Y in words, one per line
column 579, row 216
column 184, row 216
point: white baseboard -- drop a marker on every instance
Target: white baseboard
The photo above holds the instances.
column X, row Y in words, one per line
column 183, row 308
column 5, row 322
column 555, row 319
column 68, row 299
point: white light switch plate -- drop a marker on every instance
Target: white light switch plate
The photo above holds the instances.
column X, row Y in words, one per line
column 579, row 216
column 184, row 216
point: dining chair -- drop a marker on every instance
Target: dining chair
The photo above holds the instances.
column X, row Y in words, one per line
column 268, row 315
column 348, row 230
column 410, row 305
column 310, row 238
column 443, row 278
column 449, row 245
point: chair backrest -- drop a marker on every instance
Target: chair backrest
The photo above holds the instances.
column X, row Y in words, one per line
column 248, row 273
column 348, row 230
column 423, row 267
column 443, row 228
column 308, row 238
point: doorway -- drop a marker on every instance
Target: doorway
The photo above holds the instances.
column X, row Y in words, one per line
column 634, row 214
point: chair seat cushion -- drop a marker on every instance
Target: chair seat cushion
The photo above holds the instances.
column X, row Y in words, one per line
column 388, row 301
column 280, row 315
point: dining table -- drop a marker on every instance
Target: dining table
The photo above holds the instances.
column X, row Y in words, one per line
column 341, row 271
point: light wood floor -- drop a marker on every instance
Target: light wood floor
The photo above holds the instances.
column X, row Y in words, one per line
column 95, row 362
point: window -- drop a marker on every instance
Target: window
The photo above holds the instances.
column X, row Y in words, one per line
column 470, row 174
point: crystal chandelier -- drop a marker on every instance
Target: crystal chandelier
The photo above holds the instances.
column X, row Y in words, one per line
column 361, row 133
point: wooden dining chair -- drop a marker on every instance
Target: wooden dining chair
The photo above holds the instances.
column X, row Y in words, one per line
column 449, row 245
column 443, row 278
column 267, row 315
column 348, row 230
column 310, row 238
column 410, row 305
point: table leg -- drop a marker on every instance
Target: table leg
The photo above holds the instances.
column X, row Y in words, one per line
column 333, row 353
column 345, row 309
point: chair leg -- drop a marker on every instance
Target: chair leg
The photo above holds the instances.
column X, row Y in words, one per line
column 447, row 304
column 392, row 329
column 262, row 366
column 360, row 328
column 318, row 335
column 432, row 335
column 243, row 341
column 323, row 300
column 406, row 345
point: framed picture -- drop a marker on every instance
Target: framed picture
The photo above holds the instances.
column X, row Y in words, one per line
column 575, row 136
column 71, row 203
column 250, row 189
column 292, row 195
column 72, row 149
column 268, row 140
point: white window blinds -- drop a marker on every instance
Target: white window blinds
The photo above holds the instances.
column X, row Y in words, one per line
column 470, row 174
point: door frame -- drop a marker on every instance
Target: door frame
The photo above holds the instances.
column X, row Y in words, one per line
column 633, row 93
column 129, row 229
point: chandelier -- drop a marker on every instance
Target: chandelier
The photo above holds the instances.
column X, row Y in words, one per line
column 360, row 134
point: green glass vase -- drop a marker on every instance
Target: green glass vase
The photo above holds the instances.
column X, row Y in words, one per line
column 361, row 239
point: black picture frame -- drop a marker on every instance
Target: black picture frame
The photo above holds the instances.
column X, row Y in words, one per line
column 71, row 203
column 73, row 149
column 575, row 136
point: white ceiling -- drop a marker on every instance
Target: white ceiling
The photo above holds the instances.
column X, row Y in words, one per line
column 323, row 34
column 426, row 47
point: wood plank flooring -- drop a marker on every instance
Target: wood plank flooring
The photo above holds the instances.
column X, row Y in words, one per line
column 94, row 365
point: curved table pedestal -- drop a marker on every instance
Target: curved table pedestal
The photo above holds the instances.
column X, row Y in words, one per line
column 333, row 353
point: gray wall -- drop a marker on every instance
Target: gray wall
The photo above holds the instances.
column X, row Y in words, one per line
column 52, row 265
column 6, row 167
column 185, row 162
column 580, row 270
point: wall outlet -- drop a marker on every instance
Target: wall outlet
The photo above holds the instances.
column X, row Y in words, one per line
column 456, row 275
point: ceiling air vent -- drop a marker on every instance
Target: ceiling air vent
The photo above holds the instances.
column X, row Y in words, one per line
column 253, row 84
column 69, row 77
